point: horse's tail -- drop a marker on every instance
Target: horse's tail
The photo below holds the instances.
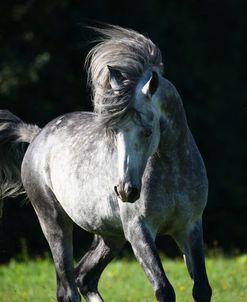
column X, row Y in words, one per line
column 14, row 137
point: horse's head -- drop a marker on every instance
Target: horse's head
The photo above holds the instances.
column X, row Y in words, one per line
column 124, row 74
column 137, row 136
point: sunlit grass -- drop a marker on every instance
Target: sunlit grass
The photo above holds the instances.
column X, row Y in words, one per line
column 124, row 281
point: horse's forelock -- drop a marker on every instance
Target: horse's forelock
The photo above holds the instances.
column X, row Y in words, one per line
column 129, row 52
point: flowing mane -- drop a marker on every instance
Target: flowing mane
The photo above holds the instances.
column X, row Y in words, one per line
column 129, row 52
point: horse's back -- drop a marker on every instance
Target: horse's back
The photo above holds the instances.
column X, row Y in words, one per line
column 54, row 137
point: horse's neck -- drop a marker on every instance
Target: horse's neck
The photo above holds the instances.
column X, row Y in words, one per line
column 175, row 136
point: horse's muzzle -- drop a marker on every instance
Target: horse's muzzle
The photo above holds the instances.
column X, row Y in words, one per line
column 126, row 192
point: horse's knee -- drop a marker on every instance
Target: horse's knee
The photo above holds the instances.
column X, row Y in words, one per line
column 85, row 284
column 88, row 288
column 165, row 293
column 67, row 295
column 81, row 283
column 202, row 294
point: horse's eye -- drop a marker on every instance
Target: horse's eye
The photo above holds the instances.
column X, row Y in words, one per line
column 147, row 132
column 119, row 76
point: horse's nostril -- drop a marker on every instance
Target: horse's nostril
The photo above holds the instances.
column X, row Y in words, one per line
column 127, row 193
column 116, row 191
column 134, row 194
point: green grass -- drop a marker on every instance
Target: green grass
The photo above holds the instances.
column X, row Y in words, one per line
column 124, row 281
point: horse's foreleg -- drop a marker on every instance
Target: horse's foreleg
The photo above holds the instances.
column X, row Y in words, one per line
column 145, row 250
column 57, row 228
column 91, row 266
column 191, row 244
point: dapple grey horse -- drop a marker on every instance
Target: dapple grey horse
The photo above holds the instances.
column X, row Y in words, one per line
column 129, row 171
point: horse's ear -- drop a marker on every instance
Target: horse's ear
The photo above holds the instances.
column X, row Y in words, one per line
column 115, row 78
column 151, row 86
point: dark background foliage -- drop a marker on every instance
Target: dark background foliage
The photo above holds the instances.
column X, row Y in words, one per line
column 42, row 50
